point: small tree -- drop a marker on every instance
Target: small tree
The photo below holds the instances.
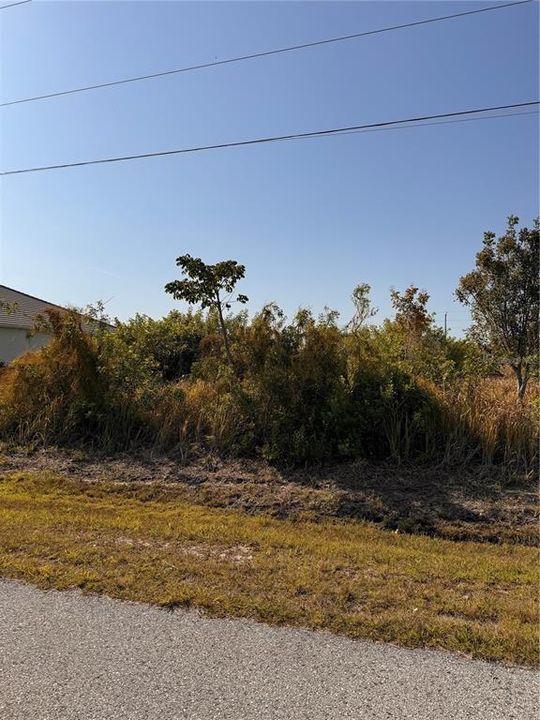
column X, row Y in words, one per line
column 210, row 286
column 412, row 315
column 413, row 338
column 363, row 309
column 503, row 294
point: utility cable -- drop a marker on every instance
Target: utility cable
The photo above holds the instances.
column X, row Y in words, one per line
column 266, row 53
column 276, row 138
column 22, row 2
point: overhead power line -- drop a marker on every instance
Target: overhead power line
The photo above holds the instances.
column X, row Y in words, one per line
column 21, row 2
column 451, row 121
column 266, row 53
column 277, row 138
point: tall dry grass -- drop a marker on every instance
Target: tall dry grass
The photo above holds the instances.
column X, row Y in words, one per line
column 482, row 421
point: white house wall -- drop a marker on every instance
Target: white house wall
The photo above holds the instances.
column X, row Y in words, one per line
column 15, row 342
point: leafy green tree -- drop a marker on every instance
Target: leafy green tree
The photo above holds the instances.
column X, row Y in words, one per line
column 210, row 286
column 503, row 294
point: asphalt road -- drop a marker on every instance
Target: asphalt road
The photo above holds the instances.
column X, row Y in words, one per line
column 65, row 656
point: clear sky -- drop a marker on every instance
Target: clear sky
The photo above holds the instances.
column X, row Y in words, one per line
column 309, row 219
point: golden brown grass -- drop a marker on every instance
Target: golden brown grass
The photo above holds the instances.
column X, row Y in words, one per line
column 135, row 542
column 484, row 421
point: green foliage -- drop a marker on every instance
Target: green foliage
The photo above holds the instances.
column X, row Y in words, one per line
column 209, row 286
column 205, row 283
column 168, row 347
column 294, row 376
column 504, row 296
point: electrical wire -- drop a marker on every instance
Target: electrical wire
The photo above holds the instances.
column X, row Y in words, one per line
column 438, row 122
column 262, row 54
column 22, row 2
column 276, row 138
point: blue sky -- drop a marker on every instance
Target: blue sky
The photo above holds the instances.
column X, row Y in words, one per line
column 309, row 219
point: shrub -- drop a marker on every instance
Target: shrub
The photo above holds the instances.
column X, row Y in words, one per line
column 299, row 392
column 168, row 346
column 56, row 393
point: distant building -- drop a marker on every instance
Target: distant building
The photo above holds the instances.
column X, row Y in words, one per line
column 17, row 313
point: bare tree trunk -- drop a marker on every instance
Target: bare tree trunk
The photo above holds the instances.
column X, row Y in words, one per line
column 522, row 378
column 224, row 333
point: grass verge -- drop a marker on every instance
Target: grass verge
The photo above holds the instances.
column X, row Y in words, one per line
column 135, row 542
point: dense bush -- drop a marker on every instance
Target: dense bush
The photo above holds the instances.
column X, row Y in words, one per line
column 299, row 391
column 169, row 346
column 56, row 393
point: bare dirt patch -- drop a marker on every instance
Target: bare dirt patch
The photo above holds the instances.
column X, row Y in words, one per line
column 462, row 505
column 234, row 554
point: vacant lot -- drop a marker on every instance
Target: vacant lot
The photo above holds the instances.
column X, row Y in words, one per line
column 142, row 542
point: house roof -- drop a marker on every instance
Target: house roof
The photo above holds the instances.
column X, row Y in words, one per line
column 22, row 308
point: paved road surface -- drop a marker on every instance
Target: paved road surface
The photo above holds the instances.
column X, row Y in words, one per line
column 65, row 656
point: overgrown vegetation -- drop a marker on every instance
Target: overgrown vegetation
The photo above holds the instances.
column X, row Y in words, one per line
column 503, row 292
column 290, row 391
column 141, row 542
